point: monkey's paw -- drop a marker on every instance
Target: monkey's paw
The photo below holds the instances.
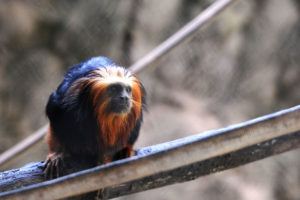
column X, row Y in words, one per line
column 53, row 167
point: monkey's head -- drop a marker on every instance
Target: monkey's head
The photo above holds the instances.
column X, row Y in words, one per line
column 116, row 91
column 112, row 90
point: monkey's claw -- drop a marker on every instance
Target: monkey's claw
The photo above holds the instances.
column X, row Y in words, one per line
column 53, row 167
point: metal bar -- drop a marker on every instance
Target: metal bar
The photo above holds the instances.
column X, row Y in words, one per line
column 170, row 156
column 184, row 33
column 32, row 173
column 216, row 164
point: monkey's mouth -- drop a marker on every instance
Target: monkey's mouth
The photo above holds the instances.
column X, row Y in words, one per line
column 120, row 106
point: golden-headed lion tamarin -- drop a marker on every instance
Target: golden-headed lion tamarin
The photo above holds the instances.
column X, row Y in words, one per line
column 95, row 114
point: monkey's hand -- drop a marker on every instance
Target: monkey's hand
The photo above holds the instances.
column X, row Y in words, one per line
column 53, row 167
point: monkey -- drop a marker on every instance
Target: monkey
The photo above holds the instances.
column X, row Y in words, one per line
column 95, row 114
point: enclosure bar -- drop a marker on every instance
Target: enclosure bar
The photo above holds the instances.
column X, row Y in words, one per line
column 22, row 146
column 213, row 165
column 184, row 33
column 173, row 155
column 32, row 173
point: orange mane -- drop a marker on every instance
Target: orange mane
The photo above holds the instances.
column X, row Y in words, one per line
column 114, row 127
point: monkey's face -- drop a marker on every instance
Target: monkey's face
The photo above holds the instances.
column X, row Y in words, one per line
column 120, row 98
column 111, row 90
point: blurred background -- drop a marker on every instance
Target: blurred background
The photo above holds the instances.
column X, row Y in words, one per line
column 243, row 65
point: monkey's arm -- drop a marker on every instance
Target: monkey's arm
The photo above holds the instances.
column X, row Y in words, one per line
column 54, row 159
column 65, row 137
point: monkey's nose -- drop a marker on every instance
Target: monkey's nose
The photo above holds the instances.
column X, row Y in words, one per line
column 124, row 99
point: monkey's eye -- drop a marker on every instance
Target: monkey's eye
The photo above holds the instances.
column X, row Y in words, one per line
column 128, row 89
column 113, row 89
